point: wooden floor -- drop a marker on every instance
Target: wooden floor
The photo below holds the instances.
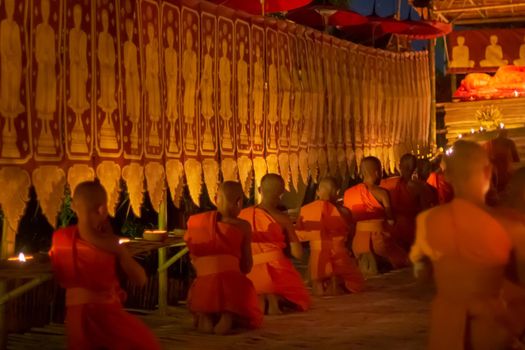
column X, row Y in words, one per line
column 391, row 314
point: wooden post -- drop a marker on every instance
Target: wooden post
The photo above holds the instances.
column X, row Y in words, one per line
column 453, row 84
column 432, row 74
column 163, row 275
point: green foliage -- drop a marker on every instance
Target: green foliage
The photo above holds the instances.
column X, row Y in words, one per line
column 66, row 213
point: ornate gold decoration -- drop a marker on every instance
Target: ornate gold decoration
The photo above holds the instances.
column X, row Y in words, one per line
column 229, row 169
column 174, row 174
column 49, row 182
column 260, row 169
column 15, row 183
column 210, row 167
column 155, row 182
column 294, row 169
column 273, row 164
column 108, row 173
column 193, row 171
column 313, row 163
column 350, row 161
column 79, row 173
column 303, row 165
column 284, row 168
column 359, row 155
column 341, row 161
column 323, row 163
column 133, row 174
column 245, row 173
column 489, row 117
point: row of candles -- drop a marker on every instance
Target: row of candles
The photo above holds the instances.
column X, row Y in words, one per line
column 482, row 129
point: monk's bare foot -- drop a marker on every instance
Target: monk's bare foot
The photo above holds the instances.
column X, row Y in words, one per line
column 224, row 325
column 205, row 324
column 317, row 288
column 273, row 305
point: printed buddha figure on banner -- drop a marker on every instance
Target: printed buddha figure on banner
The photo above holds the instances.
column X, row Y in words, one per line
column 207, row 91
column 297, row 100
column 189, row 75
column 493, row 54
column 521, row 61
column 273, row 99
column 132, row 85
column 106, row 101
column 225, row 107
column 171, row 69
column 461, row 55
column 46, row 80
column 10, row 79
column 243, row 90
column 285, row 85
column 153, row 84
column 78, row 78
column 258, row 92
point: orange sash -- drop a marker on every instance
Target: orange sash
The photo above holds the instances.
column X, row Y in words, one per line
column 209, row 265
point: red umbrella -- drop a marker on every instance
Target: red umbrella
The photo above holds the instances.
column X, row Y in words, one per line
column 260, row 7
column 417, row 29
column 319, row 17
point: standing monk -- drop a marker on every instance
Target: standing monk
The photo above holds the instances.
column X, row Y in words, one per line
column 502, row 153
column 85, row 259
column 219, row 243
column 469, row 251
column 273, row 274
column 370, row 207
column 437, row 180
column 328, row 226
column 407, row 200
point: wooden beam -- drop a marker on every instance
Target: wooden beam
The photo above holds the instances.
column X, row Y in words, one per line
column 479, row 8
column 489, row 20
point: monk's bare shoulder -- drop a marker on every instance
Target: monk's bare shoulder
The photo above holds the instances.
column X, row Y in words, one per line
column 380, row 193
column 283, row 219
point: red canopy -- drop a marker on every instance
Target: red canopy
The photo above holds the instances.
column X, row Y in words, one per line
column 319, row 17
column 255, row 6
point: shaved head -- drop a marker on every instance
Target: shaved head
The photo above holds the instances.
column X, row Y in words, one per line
column 327, row 189
column 371, row 169
column 229, row 199
column 272, row 188
column 467, row 167
column 271, row 181
column 89, row 194
column 407, row 165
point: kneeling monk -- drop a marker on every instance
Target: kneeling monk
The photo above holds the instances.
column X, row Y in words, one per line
column 370, row 207
column 219, row 243
column 469, row 250
column 84, row 259
column 273, row 274
column 328, row 226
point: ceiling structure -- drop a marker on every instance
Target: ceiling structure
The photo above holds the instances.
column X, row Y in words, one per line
column 465, row 12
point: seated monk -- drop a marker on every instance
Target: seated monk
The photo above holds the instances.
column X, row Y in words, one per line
column 84, row 259
column 219, row 243
column 327, row 226
column 370, row 207
column 429, row 193
column 407, row 200
column 437, row 180
column 275, row 279
column 469, row 251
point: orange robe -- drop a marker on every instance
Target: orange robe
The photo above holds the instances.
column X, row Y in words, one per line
column 502, row 153
column 371, row 234
column 326, row 229
column 405, row 207
column 469, row 251
column 220, row 286
column 273, row 272
column 444, row 190
column 95, row 318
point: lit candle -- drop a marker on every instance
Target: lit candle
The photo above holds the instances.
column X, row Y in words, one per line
column 516, row 93
column 460, row 135
column 123, row 240
column 481, row 129
column 472, row 131
column 21, row 257
column 501, row 126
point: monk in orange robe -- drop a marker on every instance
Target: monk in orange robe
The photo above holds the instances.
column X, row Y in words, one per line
column 327, row 226
column 502, row 153
column 219, row 243
column 437, row 180
column 84, row 259
column 429, row 193
column 276, row 280
column 469, row 251
column 370, row 207
column 407, row 200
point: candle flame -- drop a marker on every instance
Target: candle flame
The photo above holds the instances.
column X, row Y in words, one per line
column 123, row 240
column 472, row 131
column 21, row 257
column 501, row 125
column 516, row 93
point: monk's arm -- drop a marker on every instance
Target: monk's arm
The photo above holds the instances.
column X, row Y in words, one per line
column 384, row 198
column 131, row 268
column 296, row 249
column 421, row 262
column 246, row 262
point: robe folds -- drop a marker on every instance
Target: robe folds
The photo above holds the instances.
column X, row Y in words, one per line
column 273, row 272
column 444, row 190
column 220, row 286
column 405, row 206
column 95, row 318
column 327, row 231
column 372, row 234
column 469, row 250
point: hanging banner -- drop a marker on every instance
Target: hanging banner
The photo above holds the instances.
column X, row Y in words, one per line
column 296, row 122
column 171, row 35
column 322, row 118
column 272, row 121
column 313, row 151
column 285, row 101
column 44, row 70
column 346, row 62
column 485, row 50
column 244, row 118
column 226, row 121
column 339, row 90
column 16, row 121
column 305, row 74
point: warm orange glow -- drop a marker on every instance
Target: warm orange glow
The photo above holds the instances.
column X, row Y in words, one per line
column 21, row 257
column 124, row 240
